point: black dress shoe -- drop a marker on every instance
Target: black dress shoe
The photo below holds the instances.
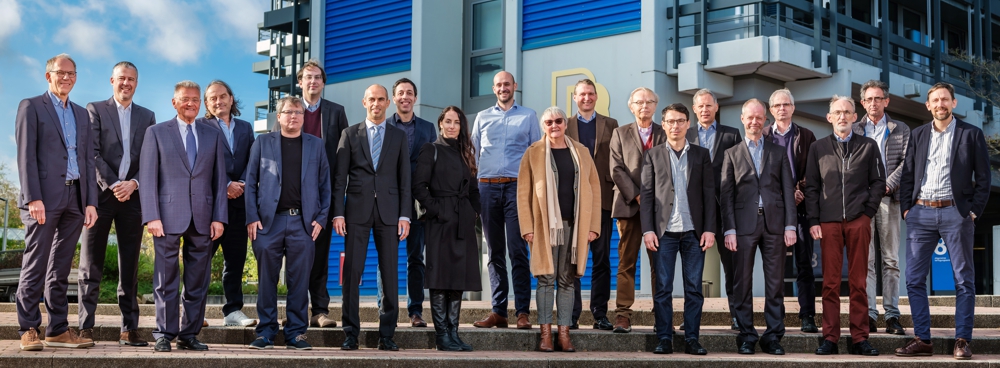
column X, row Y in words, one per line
column 603, row 324
column 864, row 348
column 575, row 325
column 809, row 325
column 681, row 327
column 773, row 348
column 735, row 326
column 827, row 347
column 746, row 347
column 872, row 328
column 350, row 343
column 892, row 326
column 386, row 343
column 666, row 346
column 694, row 348
column 162, row 345
column 191, row 344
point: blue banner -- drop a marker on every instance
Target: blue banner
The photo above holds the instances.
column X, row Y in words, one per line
column 942, row 275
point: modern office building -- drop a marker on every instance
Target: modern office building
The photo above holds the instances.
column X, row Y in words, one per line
column 284, row 38
column 738, row 48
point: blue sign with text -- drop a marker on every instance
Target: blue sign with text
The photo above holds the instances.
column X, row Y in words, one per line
column 942, row 275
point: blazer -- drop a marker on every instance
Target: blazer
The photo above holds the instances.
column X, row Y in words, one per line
column 236, row 157
column 357, row 178
column 742, row 188
column 334, row 122
column 175, row 193
column 423, row 133
column 658, row 190
column 42, row 155
column 626, row 167
column 106, row 131
column 725, row 138
column 970, row 168
column 895, row 150
column 602, row 153
column 263, row 181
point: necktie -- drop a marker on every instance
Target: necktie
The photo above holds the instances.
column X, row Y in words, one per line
column 192, row 149
column 376, row 146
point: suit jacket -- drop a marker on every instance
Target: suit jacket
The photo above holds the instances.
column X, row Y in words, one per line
column 42, row 154
column 357, row 178
column 742, row 189
column 896, row 146
column 970, row 168
column 263, row 178
column 658, row 190
column 175, row 193
column 626, row 167
column 106, row 132
column 725, row 138
column 237, row 158
column 423, row 133
column 602, row 153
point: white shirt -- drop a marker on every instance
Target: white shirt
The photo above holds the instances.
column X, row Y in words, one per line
column 125, row 119
column 879, row 131
column 182, row 125
column 937, row 176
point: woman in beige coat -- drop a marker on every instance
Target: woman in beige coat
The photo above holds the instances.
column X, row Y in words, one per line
column 558, row 207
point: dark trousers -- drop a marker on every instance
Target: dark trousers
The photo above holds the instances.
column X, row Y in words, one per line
column 692, row 266
column 319, row 296
column 772, row 254
column 502, row 233
column 805, row 280
column 197, row 254
column 855, row 236
column 48, row 258
column 414, row 271
column 600, row 274
column 924, row 227
column 286, row 238
column 729, row 272
column 127, row 218
column 234, row 252
column 355, row 252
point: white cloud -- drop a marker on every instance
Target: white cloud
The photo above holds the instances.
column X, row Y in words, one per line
column 173, row 31
column 86, row 38
column 241, row 15
column 31, row 62
column 10, row 18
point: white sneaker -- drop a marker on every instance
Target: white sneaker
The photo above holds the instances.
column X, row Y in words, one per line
column 237, row 318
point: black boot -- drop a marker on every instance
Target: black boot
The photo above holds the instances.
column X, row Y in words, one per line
column 454, row 312
column 439, row 315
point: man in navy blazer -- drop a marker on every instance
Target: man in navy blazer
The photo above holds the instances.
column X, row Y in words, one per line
column 373, row 171
column 222, row 108
column 284, row 217
column 118, row 127
column 55, row 167
column 183, row 194
column 943, row 189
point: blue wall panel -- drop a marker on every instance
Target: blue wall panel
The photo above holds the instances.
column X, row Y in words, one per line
column 554, row 22
column 363, row 40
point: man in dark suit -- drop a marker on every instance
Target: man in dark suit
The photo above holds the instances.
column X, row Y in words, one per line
column 183, row 195
column 418, row 132
column 118, row 127
column 758, row 211
column 221, row 110
column 287, row 201
column 373, row 171
column 944, row 188
column 717, row 138
column 594, row 131
column 55, row 167
column 678, row 214
column 325, row 119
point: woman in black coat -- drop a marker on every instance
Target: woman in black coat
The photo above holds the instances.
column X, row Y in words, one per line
column 445, row 185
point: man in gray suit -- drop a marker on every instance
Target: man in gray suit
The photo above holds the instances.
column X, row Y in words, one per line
column 892, row 138
column 287, row 202
column 183, row 195
column 55, row 168
column 758, row 212
column 118, row 127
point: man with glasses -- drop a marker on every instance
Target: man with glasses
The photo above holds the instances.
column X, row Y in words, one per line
column 892, row 138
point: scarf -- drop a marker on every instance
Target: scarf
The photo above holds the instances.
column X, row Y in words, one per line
column 557, row 233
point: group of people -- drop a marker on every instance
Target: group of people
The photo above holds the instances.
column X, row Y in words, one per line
column 549, row 186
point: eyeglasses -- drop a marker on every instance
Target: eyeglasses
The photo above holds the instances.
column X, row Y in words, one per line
column 185, row 100
column 675, row 122
column 643, row 103
column 780, row 105
column 842, row 113
column 874, row 99
column 292, row 112
column 559, row 121
column 61, row 74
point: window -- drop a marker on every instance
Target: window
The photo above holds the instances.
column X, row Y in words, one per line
column 484, row 50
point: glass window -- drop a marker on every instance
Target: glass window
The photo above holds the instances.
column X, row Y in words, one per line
column 487, row 25
column 484, row 51
column 482, row 69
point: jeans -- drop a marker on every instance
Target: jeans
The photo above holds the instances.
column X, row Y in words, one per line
column 805, row 280
column 885, row 226
column 502, row 233
column 692, row 266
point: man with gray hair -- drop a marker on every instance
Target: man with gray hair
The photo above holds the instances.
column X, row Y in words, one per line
column 844, row 185
column 892, row 138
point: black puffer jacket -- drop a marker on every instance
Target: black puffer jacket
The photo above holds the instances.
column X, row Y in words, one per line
column 843, row 185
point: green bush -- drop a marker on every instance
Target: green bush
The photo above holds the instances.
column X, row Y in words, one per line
column 215, row 288
column 249, row 289
column 109, row 290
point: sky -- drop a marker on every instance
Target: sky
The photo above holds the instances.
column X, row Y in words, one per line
column 168, row 41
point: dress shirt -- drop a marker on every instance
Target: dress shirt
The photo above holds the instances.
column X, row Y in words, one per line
column 182, row 125
column 125, row 119
column 313, row 107
column 707, row 138
column 644, row 133
column 501, row 137
column 68, row 121
column 228, row 131
column 408, row 127
column 580, row 118
column 937, row 180
column 680, row 215
column 879, row 131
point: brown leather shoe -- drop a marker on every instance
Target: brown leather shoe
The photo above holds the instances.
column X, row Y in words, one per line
column 522, row 322
column 546, row 343
column 321, row 320
column 30, row 341
column 204, row 323
column 622, row 325
column 962, row 351
column 131, row 338
column 918, row 348
column 87, row 333
column 564, row 342
column 416, row 321
column 492, row 320
column 68, row 339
